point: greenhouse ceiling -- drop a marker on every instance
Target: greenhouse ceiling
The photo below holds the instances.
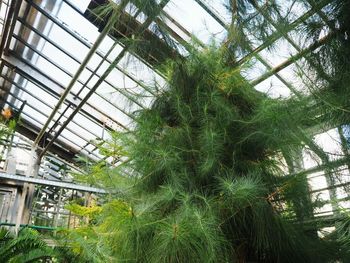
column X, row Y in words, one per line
column 55, row 60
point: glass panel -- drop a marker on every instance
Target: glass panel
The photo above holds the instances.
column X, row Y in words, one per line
column 78, row 141
column 298, row 34
column 140, row 70
column 292, row 9
column 88, row 124
column 81, row 4
column 253, row 69
column 274, row 88
column 195, row 19
column 330, row 144
column 280, row 52
column 77, row 23
column 219, row 7
column 108, row 109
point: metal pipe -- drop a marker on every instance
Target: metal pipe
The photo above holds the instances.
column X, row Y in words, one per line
column 144, row 26
column 275, row 36
column 88, row 68
column 60, row 184
column 79, row 147
column 7, row 25
column 294, row 58
column 30, row 226
column 14, row 20
column 47, row 86
column 77, row 74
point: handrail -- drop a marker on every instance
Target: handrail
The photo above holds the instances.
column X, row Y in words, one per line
column 30, row 226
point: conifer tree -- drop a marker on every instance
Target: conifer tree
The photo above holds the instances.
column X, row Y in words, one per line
column 206, row 179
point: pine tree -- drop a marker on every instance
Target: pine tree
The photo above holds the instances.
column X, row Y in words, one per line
column 206, row 169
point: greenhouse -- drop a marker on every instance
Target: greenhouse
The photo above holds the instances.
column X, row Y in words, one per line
column 175, row 131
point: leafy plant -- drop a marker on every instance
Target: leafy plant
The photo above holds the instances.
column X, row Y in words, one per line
column 28, row 246
column 205, row 178
column 206, row 183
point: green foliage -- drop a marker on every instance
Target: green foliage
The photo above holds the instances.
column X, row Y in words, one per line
column 329, row 65
column 251, row 18
column 28, row 246
column 205, row 177
column 241, row 192
column 101, row 174
column 79, row 210
column 79, row 246
column 205, row 163
column 6, row 128
column 190, row 233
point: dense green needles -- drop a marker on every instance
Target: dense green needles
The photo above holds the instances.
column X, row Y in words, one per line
column 207, row 181
column 207, row 162
column 204, row 173
column 28, row 246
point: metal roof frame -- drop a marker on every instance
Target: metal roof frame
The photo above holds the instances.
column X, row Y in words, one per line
column 75, row 104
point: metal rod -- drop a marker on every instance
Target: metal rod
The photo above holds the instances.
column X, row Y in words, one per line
column 330, row 164
column 85, row 43
column 330, row 187
column 40, row 100
column 88, row 68
column 45, row 86
column 7, row 26
column 116, row 29
column 60, row 184
column 29, row 226
column 75, row 96
column 281, row 30
column 250, row 48
column 14, row 20
column 41, row 112
column 84, row 84
column 275, row 36
column 101, row 79
column 77, row 74
column 292, row 59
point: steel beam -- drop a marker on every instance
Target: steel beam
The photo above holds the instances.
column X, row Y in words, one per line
column 39, row 181
column 144, row 26
column 9, row 25
column 26, row 195
column 293, row 59
column 274, row 37
column 76, row 76
column 44, row 82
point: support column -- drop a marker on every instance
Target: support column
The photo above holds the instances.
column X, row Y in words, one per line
column 57, row 209
column 27, row 194
column 11, row 161
column 345, row 149
column 328, row 170
column 302, row 202
column 11, row 198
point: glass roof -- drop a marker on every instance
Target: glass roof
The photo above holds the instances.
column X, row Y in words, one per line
column 50, row 39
